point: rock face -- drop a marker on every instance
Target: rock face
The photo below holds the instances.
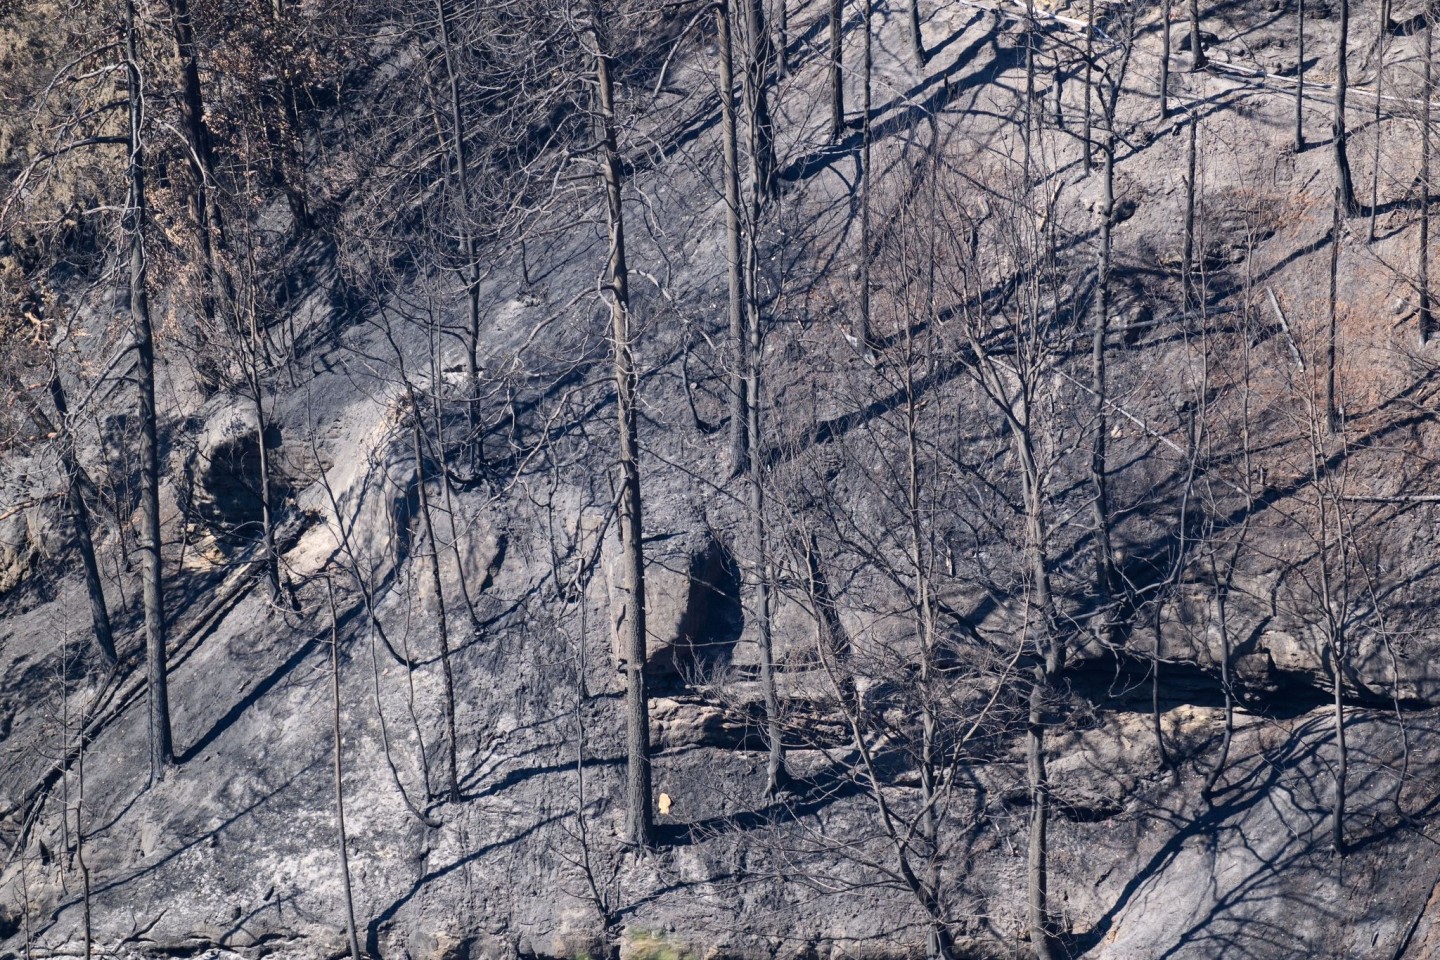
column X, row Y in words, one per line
column 224, row 477
column 693, row 616
column 26, row 537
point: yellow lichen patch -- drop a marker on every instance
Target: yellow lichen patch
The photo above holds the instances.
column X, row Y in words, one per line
column 649, row 945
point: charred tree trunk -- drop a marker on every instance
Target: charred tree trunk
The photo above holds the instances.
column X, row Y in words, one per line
column 293, row 182
column 1089, row 135
column 262, row 423
column 639, row 818
column 1165, row 61
column 777, row 778
column 837, row 70
column 862, row 326
column 759, row 56
column 1028, row 133
column 1426, row 320
column 938, row 943
column 1342, row 752
column 442, row 619
column 1335, row 635
column 735, row 272
column 201, row 162
column 1222, row 621
column 1332, row 407
column 1051, row 647
column 1344, row 182
column 162, row 751
column 1381, row 47
column 80, row 515
column 1197, row 48
column 915, row 35
column 342, row 846
column 1100, row 509
column 1300, row 77
column 1187, row 257
column 459, row 133
column 782, row 39
column 1038, row 854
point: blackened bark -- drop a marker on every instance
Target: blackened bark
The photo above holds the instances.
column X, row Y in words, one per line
column 80, row 516
column 1426, row 320
column 1197, row 49
column 1344, row 181
column 442, row 619
column 1187, row 258
column 915, row 34
column 1037, row 864
column 199, row 156
column 837, row 67
column 776, row 776
column 1300, row 77
column 1342, row 752
column 1332, row 407
column 735, row 266
column 343, row 847
column 759, row 62
column 639, row 817
column 1088, row 137
column 862, row 326
column 162, row 751
column 1381, row 46
column 459, row 132
column 1165, row 62
column 1100, row 504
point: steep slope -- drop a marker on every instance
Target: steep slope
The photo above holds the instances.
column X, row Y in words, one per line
column 1221, row 473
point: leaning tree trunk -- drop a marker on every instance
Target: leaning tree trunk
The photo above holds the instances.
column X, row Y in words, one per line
column 262, row 422
column 735, row 267
column 639, row 818
column 162, row 751
column 915, row 34
column 341, row 844
column 1344, row 181
column 80, row 515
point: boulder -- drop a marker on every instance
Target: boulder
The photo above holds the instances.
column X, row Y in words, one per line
column 692, row 610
